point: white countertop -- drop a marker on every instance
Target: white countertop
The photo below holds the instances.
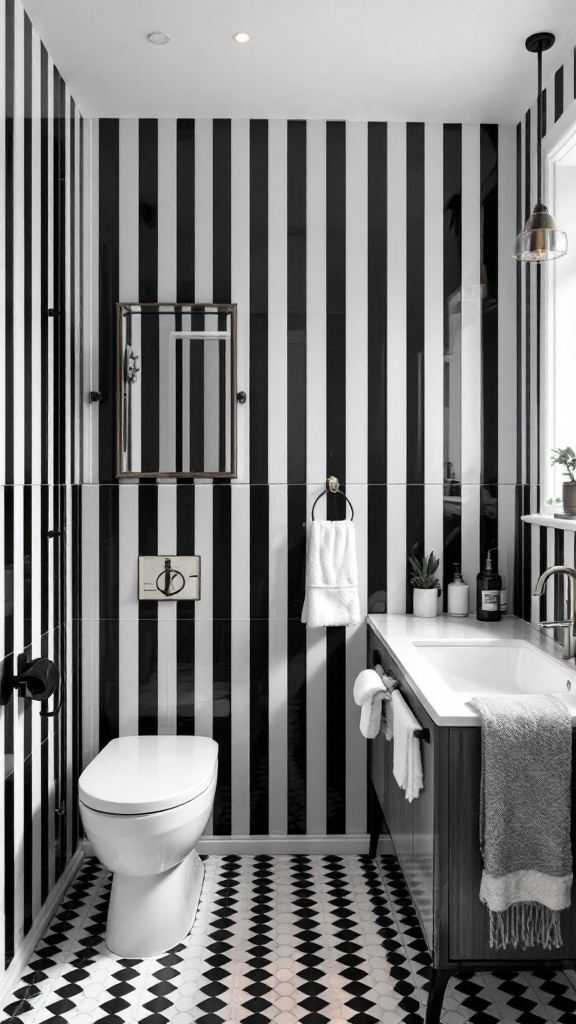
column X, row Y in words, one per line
column 401, row 634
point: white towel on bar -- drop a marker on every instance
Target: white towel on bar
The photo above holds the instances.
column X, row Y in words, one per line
column 390, row 684
column 331, row 575
column 407, row 764
column 369, row 692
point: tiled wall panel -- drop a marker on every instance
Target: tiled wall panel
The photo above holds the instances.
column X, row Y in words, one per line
column 41, row 183
column 374, row 312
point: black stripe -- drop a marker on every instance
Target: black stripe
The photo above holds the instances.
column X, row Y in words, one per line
column 9, row 244
column 26, row 568
column 60, row 240
column 489, row 286
column 9, row 569
column 185, row 217
column 108, row 280
column 377, row 300
column 221, row 211
column 377, row 546
column 71, row 244
column 452, row 268
column 415, row 533
column 415, row 304
column 259, row 645
column 222, row 652
column 559, row 93
column 296, row 662
column 574, row 69
column 148, row 615
column 296, row 291
column 185, row 501
column 148, row 289
column 258, row 302
column 335, row 453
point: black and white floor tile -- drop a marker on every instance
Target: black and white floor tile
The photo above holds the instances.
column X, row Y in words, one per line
column 294, row 940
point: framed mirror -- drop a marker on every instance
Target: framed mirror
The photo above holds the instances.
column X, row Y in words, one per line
column 176, row 390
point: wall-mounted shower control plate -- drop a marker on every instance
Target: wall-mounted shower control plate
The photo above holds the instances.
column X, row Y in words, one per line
column 169, row 578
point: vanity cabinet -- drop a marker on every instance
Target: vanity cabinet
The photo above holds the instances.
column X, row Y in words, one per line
column 436, row 840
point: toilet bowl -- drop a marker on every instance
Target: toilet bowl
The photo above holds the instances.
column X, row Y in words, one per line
column 144, row 803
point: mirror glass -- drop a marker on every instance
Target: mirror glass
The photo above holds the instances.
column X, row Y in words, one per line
column 176, row 393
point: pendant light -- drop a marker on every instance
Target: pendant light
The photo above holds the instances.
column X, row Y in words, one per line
column 541, row 238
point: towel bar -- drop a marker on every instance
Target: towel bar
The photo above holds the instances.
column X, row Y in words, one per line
column 420, row 734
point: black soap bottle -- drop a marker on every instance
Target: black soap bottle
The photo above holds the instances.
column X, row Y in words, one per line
column 488, row 587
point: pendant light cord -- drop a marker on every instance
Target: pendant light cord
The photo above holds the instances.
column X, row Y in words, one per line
column 539, row 128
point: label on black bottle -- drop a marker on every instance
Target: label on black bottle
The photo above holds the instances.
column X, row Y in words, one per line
column 490, row 600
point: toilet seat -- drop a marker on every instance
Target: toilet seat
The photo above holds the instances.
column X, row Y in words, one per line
column 144, row 774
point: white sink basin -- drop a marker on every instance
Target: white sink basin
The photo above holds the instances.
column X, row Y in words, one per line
column 497, row 668
column 447, row 662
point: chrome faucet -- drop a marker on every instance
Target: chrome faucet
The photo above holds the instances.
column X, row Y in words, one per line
column 568, row 624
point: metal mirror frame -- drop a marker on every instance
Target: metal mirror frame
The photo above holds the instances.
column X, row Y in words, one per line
column 219, row 307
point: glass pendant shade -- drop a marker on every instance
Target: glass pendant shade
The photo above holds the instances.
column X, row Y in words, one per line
column 541, row 238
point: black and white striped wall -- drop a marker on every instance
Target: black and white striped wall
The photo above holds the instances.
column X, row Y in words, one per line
column 538, row 546
column 377, row 315
column 41, row 199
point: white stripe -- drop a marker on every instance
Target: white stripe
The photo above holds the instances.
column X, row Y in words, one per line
column 471, row 306
column 36, row 369
column 433, row 316
column 356, row 747
column 506, row 540
column 277, row 303
column 128, row 609
column 396, row 285
column 507, row 427
column 240, row 689
column 278, row 664
column 91, row 313
column 18, row 208
column 203, row 646
column 51, row 418
column 167, row 638
column 434, row 521
column 470, row 534
column 315, row 718
column 316, row 302
column 203, row 211
column 167, row 194
column 534, row 407
column 69, row 426
column 356, row 302
column 128, row 210
column 396, row 550
column 240, row 271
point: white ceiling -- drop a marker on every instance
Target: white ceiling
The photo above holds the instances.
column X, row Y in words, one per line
column 425, row 60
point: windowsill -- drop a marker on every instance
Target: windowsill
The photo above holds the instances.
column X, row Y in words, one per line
column 547, row 519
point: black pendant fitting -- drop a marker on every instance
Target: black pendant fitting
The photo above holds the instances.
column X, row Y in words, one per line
column 540, row 41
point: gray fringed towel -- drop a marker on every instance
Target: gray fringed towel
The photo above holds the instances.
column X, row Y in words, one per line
column 525, row 809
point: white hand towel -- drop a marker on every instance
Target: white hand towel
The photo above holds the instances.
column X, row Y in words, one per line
column 407, row 764
column 369, row 692
column 331, row 575
column 390, row 684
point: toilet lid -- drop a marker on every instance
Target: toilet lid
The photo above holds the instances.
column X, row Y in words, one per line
column 142, row 774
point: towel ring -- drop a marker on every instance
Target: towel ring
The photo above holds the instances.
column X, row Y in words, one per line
column 333, row 487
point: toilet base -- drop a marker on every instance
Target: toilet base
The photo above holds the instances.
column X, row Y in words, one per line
column 150, row 914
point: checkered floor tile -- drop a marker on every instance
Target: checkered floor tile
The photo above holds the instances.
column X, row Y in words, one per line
column 293, row 940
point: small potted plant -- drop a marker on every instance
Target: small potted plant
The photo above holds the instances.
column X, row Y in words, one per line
column 426, row 585
column 567, row 457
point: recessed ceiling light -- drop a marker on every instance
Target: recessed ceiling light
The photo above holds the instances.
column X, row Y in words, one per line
column 158, row 38
column 242, row 37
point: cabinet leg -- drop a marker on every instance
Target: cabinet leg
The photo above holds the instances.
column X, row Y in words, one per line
column 376, row 819
column 438, row 983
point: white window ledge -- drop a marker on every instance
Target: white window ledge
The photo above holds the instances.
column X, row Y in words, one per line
column 555, row 522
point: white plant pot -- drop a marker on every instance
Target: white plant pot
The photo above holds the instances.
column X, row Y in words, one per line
column 426, row 602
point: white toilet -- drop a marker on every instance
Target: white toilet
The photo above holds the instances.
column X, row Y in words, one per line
column 144, row 802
